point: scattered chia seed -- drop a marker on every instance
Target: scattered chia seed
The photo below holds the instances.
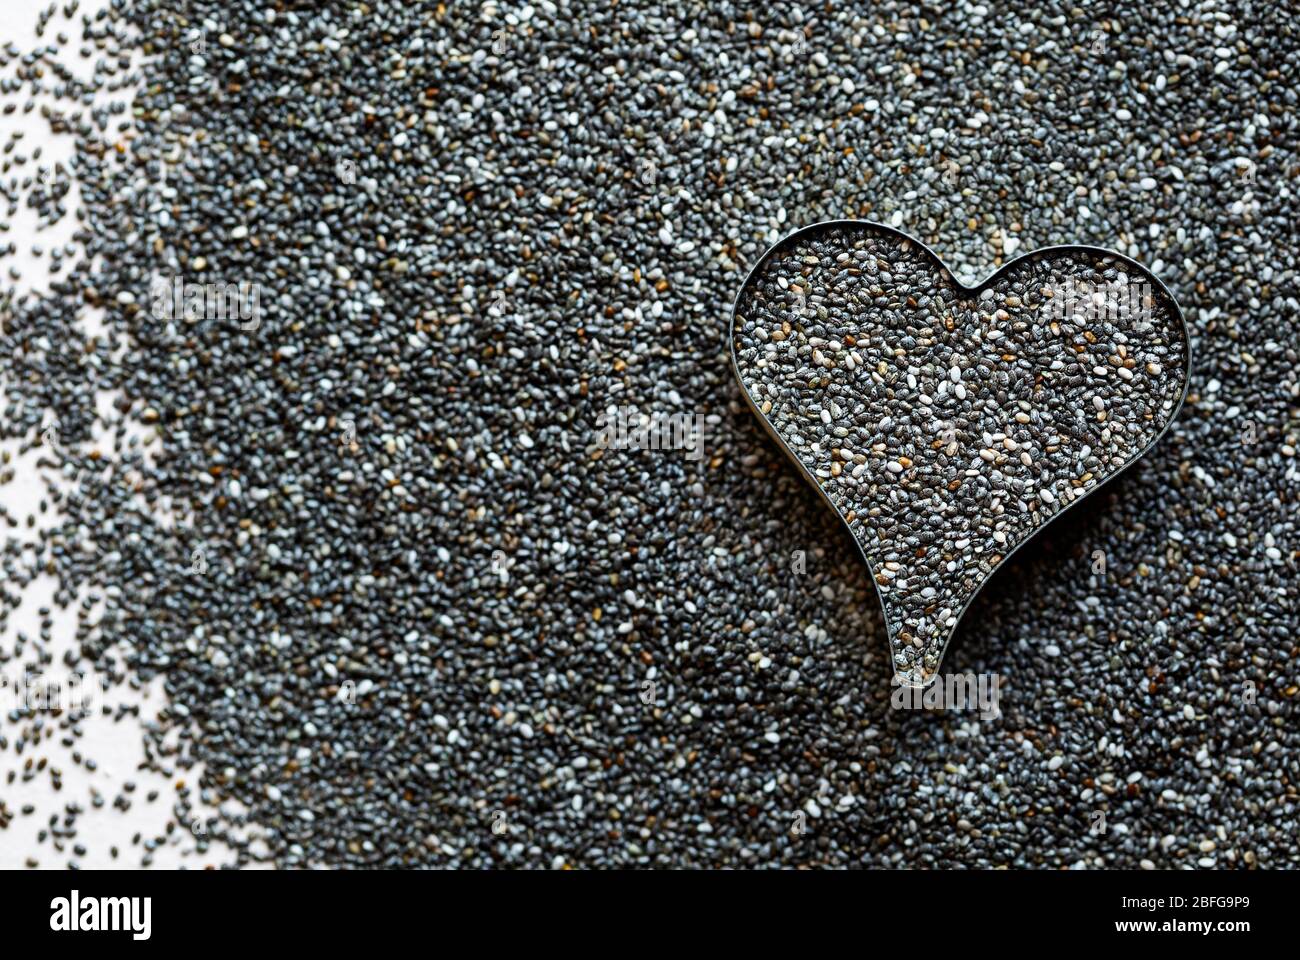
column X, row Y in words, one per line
column 391, row 634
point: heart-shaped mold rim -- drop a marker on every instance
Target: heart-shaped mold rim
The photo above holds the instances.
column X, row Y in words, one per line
column 966, row 293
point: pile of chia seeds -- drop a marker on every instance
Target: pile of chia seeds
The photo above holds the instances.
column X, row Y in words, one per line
column 348, row 506
column 948, row 428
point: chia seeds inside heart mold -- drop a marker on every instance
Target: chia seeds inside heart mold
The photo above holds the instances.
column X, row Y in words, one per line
column 947, row 425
